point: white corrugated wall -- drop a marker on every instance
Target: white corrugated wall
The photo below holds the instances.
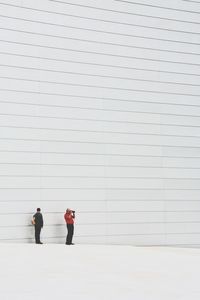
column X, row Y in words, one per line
column 99, row 112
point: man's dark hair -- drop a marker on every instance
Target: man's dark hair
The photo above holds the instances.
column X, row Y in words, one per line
column 38, row 209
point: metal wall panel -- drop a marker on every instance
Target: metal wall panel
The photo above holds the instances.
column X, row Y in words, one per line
column 99, row 111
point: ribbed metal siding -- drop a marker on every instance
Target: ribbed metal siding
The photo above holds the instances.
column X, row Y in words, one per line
column 99, row 111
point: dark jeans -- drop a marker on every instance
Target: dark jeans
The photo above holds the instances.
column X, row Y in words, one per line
column 70, row 229
column 37, row 234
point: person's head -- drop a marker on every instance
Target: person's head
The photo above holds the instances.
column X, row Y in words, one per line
column 68, row 210
column 38, row 210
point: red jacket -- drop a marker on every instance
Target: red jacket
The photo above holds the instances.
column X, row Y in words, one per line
column 69, row 218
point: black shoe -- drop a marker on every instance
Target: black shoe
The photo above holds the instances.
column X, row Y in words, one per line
column 67, row 244
column 72, row 244
column 40, row 243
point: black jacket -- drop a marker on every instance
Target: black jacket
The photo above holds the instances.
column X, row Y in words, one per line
column 38, row 219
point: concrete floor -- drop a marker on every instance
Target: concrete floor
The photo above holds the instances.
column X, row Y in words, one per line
column 96, row 272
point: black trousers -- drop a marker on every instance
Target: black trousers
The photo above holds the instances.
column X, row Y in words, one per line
column 37, row 234
column 70, row 229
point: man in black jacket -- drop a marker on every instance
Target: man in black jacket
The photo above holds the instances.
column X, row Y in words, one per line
column 38, row 223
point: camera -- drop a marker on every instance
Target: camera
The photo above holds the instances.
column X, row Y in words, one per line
column 73, row 211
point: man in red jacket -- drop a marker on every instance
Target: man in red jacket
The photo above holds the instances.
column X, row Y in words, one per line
column 69, row 219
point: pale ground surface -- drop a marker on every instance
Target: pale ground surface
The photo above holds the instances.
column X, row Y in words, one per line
column 94, row 272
